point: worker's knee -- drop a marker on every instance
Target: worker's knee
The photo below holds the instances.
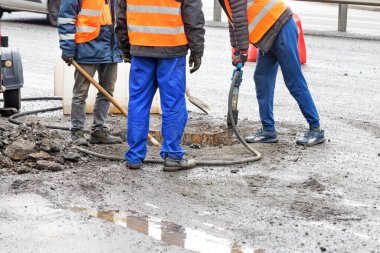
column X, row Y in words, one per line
column 258, row 77
column 79, row 98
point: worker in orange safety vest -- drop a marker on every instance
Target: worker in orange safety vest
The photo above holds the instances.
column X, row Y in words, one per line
column 155, row 37
column 268, row 24
column 87, row 35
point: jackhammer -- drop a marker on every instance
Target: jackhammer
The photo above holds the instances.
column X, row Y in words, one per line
column 237, row 78
column 233, row 112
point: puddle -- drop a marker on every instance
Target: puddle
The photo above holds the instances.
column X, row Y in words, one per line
column 170, row 233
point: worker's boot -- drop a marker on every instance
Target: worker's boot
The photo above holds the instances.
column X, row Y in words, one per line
column 78, row 138
column 100, row 135
column 263, row 136
column 312, row 137
column 134, row 166
column 172, row 164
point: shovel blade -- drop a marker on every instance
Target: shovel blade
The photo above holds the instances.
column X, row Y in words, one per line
column 200, row 104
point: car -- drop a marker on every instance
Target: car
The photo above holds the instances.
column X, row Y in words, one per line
column 50, row 7
column 11, row 78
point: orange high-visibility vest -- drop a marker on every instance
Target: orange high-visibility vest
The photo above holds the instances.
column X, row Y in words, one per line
column 155, row 23
column 261, row 14
column 93, row 15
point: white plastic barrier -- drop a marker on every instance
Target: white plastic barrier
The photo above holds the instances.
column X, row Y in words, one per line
column 64, row 82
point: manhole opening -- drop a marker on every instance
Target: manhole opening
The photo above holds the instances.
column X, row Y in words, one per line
column 200, row 129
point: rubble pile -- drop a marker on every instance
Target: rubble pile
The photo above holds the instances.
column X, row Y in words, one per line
column 33, row 148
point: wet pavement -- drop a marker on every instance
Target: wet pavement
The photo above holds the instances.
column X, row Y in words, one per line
column 168, row 232
column 296, row 199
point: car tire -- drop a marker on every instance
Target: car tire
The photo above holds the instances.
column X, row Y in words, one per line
column 12, row 99
column 53, row 8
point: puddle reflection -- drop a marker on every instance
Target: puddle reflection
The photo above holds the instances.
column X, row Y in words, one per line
column 169, row 232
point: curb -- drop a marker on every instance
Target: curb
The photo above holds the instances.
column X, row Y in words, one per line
column 347, row 35
column 332, row 34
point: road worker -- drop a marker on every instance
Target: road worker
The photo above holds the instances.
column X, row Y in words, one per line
column 87, row 35
column 155, row 37
column 268, row 24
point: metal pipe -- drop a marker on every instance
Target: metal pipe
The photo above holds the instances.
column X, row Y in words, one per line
column 342, row 18
column 217, row 11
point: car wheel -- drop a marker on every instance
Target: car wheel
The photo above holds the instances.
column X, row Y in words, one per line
column 12, row 99
column 53, row 8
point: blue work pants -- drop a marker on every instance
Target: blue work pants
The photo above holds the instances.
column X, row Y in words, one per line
column 146, row 75
column 284, row 53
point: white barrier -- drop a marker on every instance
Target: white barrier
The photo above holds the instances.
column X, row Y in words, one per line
column 64, row 82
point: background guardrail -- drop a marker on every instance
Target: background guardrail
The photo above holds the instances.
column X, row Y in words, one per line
column 342, row 15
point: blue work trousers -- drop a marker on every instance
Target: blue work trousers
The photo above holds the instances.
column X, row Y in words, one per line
column 146, row 75
column 284, row 53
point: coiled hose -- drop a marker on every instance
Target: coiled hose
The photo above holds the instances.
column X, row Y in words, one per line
column 13, row 120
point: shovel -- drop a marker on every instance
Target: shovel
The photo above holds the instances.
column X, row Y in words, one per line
column 197, row 102
column 110, row 98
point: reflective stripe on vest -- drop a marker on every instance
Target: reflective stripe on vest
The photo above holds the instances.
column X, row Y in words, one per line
column 155, row 23
column 69, row 36
column 93, row 15
column 65, row 21
column 261, row 14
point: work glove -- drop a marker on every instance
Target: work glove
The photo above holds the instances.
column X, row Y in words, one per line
column 240, row 56
column 127, row 57
column 67, row 59
column 195, row 62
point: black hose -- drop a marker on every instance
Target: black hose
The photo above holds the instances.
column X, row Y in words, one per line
column 39, row 98
column 13, row 120
column 232, row 121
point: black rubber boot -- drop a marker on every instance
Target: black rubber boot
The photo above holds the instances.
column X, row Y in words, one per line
column 172, row 164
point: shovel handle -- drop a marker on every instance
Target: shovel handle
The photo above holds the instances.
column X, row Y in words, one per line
column 187, row 92
column 109, row 97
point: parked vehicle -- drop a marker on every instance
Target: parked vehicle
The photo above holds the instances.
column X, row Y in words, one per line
column 50, row 7
column 11, row 78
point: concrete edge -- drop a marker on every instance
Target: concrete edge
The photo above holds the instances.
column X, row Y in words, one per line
column 364, row 7
column 333, row 34
column 336, row 34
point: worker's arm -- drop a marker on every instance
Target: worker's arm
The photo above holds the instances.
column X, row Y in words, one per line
column 122, row 27
column 193, row 19
column 230, row 24
column 67, row 17
column 239, row 34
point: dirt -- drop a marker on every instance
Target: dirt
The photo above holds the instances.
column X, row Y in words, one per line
column 31, row 148
column 294, row 200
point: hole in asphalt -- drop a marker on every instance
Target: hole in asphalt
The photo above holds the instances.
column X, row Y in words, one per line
column 168, row 232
